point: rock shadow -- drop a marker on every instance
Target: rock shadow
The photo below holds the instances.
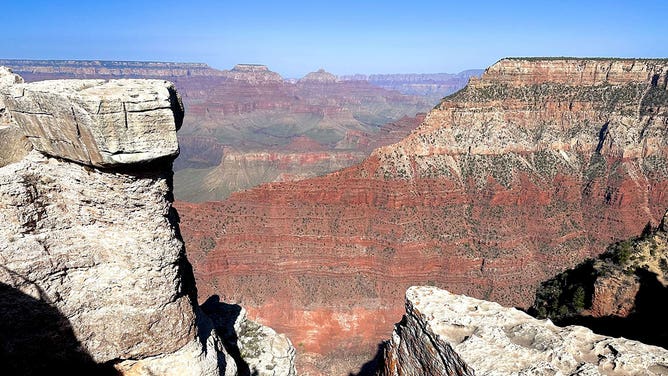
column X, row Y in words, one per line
column 371, row 367
column 223, row 316
column 647, row 322
column 37, row 339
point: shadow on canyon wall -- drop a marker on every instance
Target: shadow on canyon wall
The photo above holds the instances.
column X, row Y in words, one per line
column 224, row 316
column 372, row 366
column 646, row 324
column 37, row 339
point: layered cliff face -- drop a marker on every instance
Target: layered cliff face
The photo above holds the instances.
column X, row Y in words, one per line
column 525, row 172
column 447, row 334
column 240, row 170
column 35, row 70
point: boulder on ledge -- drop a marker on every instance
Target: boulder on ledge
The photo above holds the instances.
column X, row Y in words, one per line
column 97, row 122
column 447, row 334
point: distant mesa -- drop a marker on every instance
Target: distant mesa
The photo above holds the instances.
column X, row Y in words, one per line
column 253, row 74
column 431, row 85
column 321, row 76
column 250, row 68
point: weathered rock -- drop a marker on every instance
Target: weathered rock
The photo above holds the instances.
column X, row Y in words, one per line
column 14, row 144
column 416, row 349
column 493, row 340
column 101, row 248
column 614, row 296
column 257, row 349
column 99, row 123
column 8, row 77
column 623, row 292
column 92, row 268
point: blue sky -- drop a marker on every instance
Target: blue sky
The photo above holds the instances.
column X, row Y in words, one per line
column 295, row 37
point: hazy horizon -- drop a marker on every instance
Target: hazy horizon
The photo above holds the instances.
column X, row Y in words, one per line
column 293, row 38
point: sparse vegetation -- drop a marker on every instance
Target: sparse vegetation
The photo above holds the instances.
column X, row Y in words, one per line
column 619, row 253
column 207, row 244
column 567, row 294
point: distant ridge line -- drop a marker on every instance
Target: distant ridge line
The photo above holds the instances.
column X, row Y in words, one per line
column 101, row 63
column 599, row 58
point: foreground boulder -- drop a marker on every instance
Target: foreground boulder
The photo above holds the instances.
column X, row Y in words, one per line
column 257, row 349
column 93, row 273
column 97, row 122
column 447, row 334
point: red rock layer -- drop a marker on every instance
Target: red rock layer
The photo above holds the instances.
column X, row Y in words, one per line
column 517, row 177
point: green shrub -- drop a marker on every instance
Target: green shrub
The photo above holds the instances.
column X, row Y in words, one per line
column 579, row 299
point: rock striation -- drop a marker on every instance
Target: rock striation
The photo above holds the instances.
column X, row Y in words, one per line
column 99, row 123
column 240, row 170
column 93, row 272
column 509, row 181
column 447, row 334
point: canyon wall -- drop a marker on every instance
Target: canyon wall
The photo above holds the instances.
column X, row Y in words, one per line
column 524, row 173
column 303, row 158
column 35, row 70
column 447, row 334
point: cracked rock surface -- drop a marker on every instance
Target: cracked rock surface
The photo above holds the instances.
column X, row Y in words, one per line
column 97, row 122
column 257, row 349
